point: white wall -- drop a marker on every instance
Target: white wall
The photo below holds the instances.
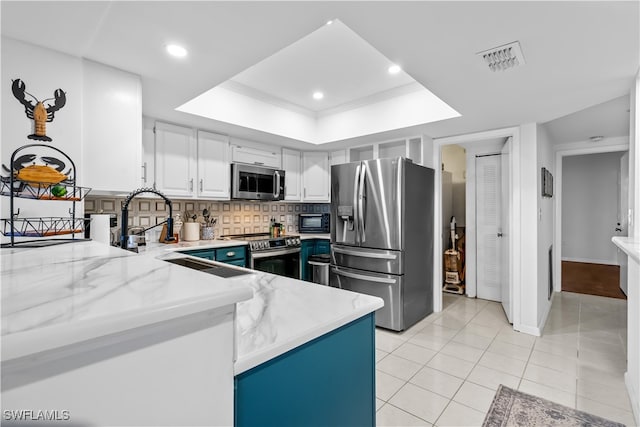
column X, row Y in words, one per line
column 590, row 207
column 546, row 215
column 43, row 71
column 632, row 376
column 447, row 207
column 454, row 160
column 529, row 284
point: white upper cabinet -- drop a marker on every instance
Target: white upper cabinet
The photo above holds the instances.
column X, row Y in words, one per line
column 148, row 177
column 316, row 179
column 175, row 160
column 112, row 129
column 411, row 148
column 291, row 166
column 256, row 156
column 214, row 172
column 338, row 157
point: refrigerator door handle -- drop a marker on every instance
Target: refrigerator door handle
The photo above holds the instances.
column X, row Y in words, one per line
column 363, row 174
column 364, row 254
column 363, row 276
column 355, row 203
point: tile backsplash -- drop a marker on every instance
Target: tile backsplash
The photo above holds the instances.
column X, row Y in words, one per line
column 233, row 217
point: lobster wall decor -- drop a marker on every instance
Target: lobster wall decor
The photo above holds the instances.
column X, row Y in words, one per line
column 40, row 114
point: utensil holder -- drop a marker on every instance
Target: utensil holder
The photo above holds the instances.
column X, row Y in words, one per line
column 191, row 231
column 206, row 233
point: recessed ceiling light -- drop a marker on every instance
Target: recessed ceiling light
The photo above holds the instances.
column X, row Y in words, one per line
column 394, row 69
column 329, row 22
column 177, row 51
column 318, row 95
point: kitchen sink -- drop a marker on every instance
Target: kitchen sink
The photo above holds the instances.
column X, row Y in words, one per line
column 205, row 267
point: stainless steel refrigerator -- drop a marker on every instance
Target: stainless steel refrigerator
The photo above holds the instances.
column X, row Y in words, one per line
column 382, row 236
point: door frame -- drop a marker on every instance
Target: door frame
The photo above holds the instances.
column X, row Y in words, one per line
column 514, row 210
column 610, row 145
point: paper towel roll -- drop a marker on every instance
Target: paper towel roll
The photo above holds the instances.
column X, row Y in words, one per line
column 100, row 230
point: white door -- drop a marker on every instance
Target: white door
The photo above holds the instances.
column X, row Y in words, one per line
column 488, row 226
column 623, row 218
column 214, row 173
column 504, row 235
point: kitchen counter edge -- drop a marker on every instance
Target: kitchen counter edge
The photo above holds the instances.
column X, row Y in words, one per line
column 630, row 246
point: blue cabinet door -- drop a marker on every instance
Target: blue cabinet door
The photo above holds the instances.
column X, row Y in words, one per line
column 209, row 254
column 329, row 381
column 231, row 254
column 322, row 247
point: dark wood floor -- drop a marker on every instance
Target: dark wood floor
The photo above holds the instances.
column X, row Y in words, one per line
column 593, row 279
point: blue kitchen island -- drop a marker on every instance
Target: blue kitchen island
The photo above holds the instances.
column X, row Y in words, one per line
column 160, row 344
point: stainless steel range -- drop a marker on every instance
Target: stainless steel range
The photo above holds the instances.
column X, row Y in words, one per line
column 277, row 255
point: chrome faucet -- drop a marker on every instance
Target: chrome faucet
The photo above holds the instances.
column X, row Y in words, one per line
column 124, row 221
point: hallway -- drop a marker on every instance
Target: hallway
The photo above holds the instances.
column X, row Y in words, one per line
column 444, row 371
column 593, row 279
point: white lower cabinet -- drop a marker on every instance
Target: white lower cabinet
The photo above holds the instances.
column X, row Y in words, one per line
column 316, row 180
column 214, row 172
column 175, row 160
column 291, row 166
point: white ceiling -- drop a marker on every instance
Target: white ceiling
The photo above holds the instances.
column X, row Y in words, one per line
column 578, row 54
column 332, row 59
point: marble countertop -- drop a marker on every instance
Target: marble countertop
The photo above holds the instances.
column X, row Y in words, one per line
column 69, row 293
column 183, row 245
column 286, row 313
column 630, row 245
column 63, row 294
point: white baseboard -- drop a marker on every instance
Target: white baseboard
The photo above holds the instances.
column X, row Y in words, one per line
column 543, row 320
column 591, row 261
column 633, row 398
column 526, row 329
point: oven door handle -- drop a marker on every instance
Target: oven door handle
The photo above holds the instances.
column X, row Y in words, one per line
column 271, row 254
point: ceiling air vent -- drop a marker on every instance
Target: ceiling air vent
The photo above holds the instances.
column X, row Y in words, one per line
column 503, row 57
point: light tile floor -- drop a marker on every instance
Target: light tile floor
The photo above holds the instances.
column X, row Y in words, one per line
column 444, row 371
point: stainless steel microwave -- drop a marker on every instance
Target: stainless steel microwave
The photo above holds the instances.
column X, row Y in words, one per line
column 250, row 182
column 314, row 223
